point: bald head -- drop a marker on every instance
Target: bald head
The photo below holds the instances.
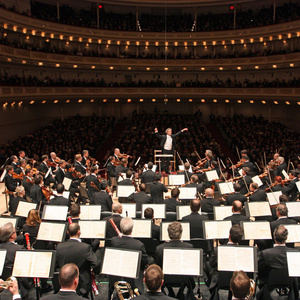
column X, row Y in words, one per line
column 117, row 208
column 237, row 206
column 209, row 192
column 69, row 277
column 74, row 230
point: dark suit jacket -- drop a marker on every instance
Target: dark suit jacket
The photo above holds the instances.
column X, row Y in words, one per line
column 207, row 204
column 104, row 199
column 111, row 170
column 249, row 165
column 258, row 195
column 139, row 198
column 37, row 195
column 110, row 232
column 62, row 295
column 292, row 190
column 92, row 190
column 15, row 166
column 126, row 181
column 155, row 229
column 272, row 258
column 163, row 139
column 235, row 196
column 281, row 167
column 196, row 228
column 174, row 244
column 59, row 175
column 120, row 169
column 281, row 221
column 157, row 191
column 43, row 168
column 10, row 183
column 82, row 255
column 126, row 242
column 79, row 167
column 27, row 186
column 236, row 219
column 171, row 204
column 154, row 295
column 148, row 176
column 59, row 200
column 13, row 204
column 248, row 180
column 199, row 186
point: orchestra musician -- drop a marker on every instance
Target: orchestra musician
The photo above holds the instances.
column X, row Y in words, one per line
column 148, row 175
column 111, row 169
column 22, row 155
column 28, row 181
column 14, row 202
column 173, row 202
column 140, row 197
column 117, row 153
column 122, row 167
column 53, row 160
column 60, row 172
column 85, row 155
column 14, row 162
column 291, row 189
column 102, row 198
column 21, row 167
column 157, row 189
column 127, row 180
column 36, row 194
column 92, row 189
column 43, row 169
column 167, row 143
column 256, row 193
column 281, row 165
column 60, row 199
column 79, row 167
column 186, row 172
column 245, row 180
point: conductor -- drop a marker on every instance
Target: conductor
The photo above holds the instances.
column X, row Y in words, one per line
column 167, row 143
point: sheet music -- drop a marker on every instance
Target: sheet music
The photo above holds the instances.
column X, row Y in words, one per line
column 257, row 180
column 258, row 209
column 273, row 197
column 2, row 259
column 55, row 212
column 24, row 208
column 4, row 221
column 294, row 233
column 122, row 263
column 236, row 258
column 182, row 261
column 187, row 193
column 129, row 210
column 142, row 229
column 48, row 172
column 240, row 172
column 3, row 175
column 122, row 177
column 217, row 229
column 285, row 174
column 51, row 231
column 125, row 190
column 226, row 187
column 181, row 168
column 146, row 168
column 159, row 210
column 221, row 212
column 298, row 185
column 257, row 230
column 176, row 179
column 182, row 211
column 293, row 209
column 90, row 212
column 32, row 264
column 67, row 183
column 92, row 229
column 185, row 231
column 293, row 262
column 212, row 175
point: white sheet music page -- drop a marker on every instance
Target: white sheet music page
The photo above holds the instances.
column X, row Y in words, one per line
column 226, row 187
column 185, row 231
column 257, row 230
column 182, row 211
column 159, row 210
column 125, row 190
column 298, row 185
column 4, row 221
column 55, row 212
column 293, row 262
column 217, row 229
column 32, row 264
column 273, row 197
column 293, row 209
column 51, row 231
column 2, row 259
column 181, row 262
column 176, row 179
column 67, row 183
column 92, row 229
column 90, row 212
column 212, row 175
column 259, row 209
column 188, row 193
column 120, row 263
column 129, row 210
column 285, row 174
column 294, row 233
column 222, row 212
column 24, row 208
column 141, row 228
column 257, row 180
column 235, row 258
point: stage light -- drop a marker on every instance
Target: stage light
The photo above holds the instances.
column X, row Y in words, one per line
column 202, row 69
column 90, row 40
column 263, row 102
column 111, row 68
column 178, row 100
column 15, row 28
column 215, row 100
column 274, row 66
column 55, row 101
column 80, row 100
column 71, row 38
column 117, row 100
column 232, row 7
column 190, row 100
column 221, row 69
column 93, row 67
column 153, row 100
column 292, row 65
column 239, row 101
column 40, row 63
column 104, row 100
column 74, row 66
column 256, row 67
column 287, row 103
column 275, row 102
column 24, row 30
column 52, row 35
column 227, row 101
column 251, row 101
column 141, row 100
column 68, row 101
column 128, row 100
column 44, row 101
column 129, row 68
column 92, row 100
column 261, row 39
column 31, row 102
column 100, row 6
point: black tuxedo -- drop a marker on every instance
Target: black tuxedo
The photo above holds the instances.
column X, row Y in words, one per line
column 59, row 200
column 60, row 175
column 125, row 181
column 91, row 190
column 235, row 196
column 147, row 176
column 249, row 165
column 120, row 169
column 157, row 190
column 15, row 166
column 13, row 204
column 110, row 232
column 258, row 195
column 104, row 199
column 139, row 198
column 163, row 139
column 19, row 170
column 281, row 221
column 82, row 255
column 171, row 204
column 154, row 295
column 174, row 244
column 27, row 185
column 79, row 167
column 207, row 204
column 111, row 171
column 155, row 230
column 10, row 183
column 196, row 227
column 36, row 194
column 292, row 190
column 248, row 180
column 199, row 186
column 281, row 167
column 62, row 295
column 43, row 168
column 236, row 218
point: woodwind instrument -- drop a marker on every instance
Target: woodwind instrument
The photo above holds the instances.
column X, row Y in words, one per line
column 113, row 224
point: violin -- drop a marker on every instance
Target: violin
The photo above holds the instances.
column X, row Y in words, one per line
column 239, row 163
column 124, row 155
column 272, row 185
column 263, row 175
column 51, row 164
column 46, row 193
column 237, row 178
column 18, row 176
column 249, row 194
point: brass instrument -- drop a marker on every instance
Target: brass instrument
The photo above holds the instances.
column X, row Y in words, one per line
column 7, row 283
column 123, row 290
column 251, row 290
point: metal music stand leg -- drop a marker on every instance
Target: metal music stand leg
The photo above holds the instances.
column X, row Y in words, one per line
column 6, row 205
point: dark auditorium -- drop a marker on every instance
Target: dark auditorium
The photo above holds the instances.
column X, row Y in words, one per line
column 149, row 149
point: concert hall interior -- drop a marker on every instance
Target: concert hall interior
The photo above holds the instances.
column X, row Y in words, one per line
column 149, row 140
